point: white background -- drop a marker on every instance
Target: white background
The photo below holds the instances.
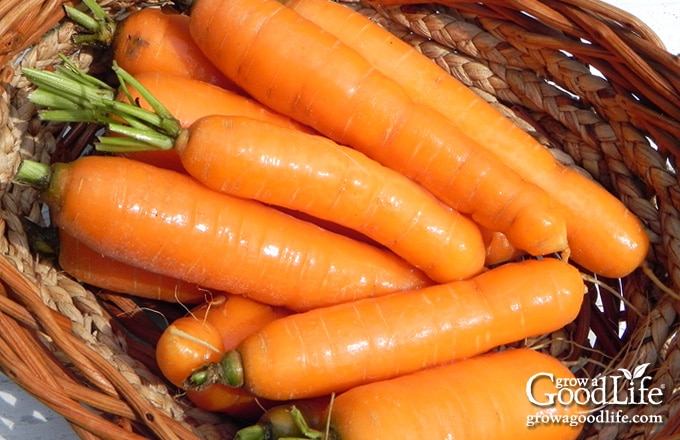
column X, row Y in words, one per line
column 22, row 417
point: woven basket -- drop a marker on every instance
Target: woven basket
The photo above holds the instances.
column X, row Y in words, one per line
column 88, row 354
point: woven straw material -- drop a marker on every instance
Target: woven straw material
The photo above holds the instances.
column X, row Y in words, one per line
column 533, row 60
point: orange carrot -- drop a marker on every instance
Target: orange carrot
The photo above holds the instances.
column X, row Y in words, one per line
column 480, row 398
column 604, row 236
column 168, row 223
column 186, row 344
column 189, row 99
column 313, row 174
column 330, row 87
column 286, row 167
column 332, row 349
column 149, row 40
column 96, row 269
column 178, row 351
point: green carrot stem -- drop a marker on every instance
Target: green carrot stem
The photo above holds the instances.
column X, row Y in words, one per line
column 227, row 371
column 34, row 174
column 126, row 78
column 98, row 22
column 70, row 115
column 253, row 432
column 71, row 95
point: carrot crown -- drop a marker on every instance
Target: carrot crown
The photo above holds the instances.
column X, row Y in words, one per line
column 290, row 421
column 101, row 26
column 71, row 95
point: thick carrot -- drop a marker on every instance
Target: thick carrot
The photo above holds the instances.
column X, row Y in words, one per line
column 332, row 349
column 155, row 40
column 178, row 351
column 311, row 76
column 480, row 398
column 312, row 174
column 190, row 99
column 286, row 167
column 168, row 223
column 604, row 236
column 96, row 269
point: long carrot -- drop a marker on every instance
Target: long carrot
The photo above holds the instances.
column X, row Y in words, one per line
column 314, row 78
column 190, row 99
column 96, row 269
column 604, row 236
column 480, row 398
column 181, row 348
column 168, row 223
column 286, row 167
column 150, row 40
column 332, row 349
column 314, row 175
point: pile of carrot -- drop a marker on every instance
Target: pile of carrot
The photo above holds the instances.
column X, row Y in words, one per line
column 358, row 234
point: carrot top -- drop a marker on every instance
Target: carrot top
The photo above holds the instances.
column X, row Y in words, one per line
column 99, row 23
column 71, row 95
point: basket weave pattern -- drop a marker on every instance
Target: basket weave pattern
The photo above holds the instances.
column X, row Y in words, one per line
column 621, row 127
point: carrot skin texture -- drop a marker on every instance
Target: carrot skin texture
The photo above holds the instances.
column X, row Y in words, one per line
column 168, row 223
column 288, row 168
column 604, row 236
column 96, row 269
column 189, row 99
column 379, row 119
column 332, row 349
column 479, row 398
column 154, row 40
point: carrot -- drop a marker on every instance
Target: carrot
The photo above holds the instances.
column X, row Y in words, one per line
column 178, row 351
column 604, row 236
column 331, row 88
column 332, row 349
column 150, row 40
column 314, row 175
column 96, row 269
column 188, row 100
column 286, row 167
column 291, row 420
column 479, row 398
column 168, row 223
column 186, row 344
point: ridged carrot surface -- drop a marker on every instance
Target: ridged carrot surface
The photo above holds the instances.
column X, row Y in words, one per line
column 333, row 349
column 604, row 236
column 166, row 222
column 96, row 269
column 285, row 167
column 479, row 398
column 296, row 68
